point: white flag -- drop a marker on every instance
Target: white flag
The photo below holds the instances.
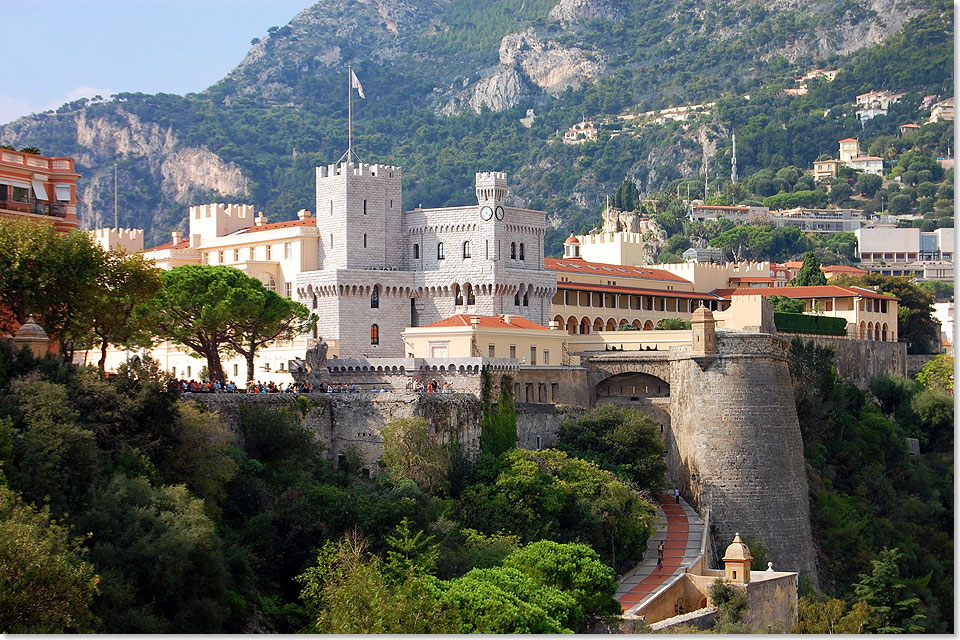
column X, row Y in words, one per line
column 355, row 83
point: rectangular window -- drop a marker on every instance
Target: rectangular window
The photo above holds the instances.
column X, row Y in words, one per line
column 513, row 351
column 364, row 207
column 268, row 252
column 546, row 357
column 236, row 370
column 554, row 391
column 533, row 355
column 287, row 250
column 219, row 257
column 331, row 207
column 288, row 289
column 63, row 192
column 539, row 442
column 188, row 372
column 491, row 351
column 236, row 255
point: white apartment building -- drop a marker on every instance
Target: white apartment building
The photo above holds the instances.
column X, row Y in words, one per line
column 926, row 255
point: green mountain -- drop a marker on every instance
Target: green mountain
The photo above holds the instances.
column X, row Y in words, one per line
column 449, row 83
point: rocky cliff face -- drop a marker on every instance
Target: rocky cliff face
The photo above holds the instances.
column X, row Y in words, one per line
column 528, row 65
column 153, row 167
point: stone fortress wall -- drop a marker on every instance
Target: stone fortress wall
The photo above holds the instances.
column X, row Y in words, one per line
column 734, row 444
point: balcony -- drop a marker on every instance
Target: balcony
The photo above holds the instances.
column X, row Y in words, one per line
column 30, row 161
column 35, row 206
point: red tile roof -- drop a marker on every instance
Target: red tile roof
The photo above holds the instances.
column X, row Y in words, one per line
column 601, row 269
column 183, row 244
column 463, row 320
column 821, row 291
column 793, row 264
column 842, row 268
column 572, row 239
column 306, row 222
column 608, row 288
column 852, row 139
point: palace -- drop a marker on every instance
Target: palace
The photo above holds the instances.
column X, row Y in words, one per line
column 374, row 274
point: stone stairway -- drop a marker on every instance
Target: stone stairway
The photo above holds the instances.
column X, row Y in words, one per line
column 682, row 531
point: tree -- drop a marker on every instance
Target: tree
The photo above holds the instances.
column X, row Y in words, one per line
column 160, row 557
column 730, row 601
column 411, row 452
column 45, row 584
column 937, row 374
column 548, row 495
column 830, row 616
column 810, row 273
column 49, row 275
column 262, row 316
column 575, row 569
column 868, row 184
column 498, row 427
column 349, row 593
column 668, row 324
column 195, row 307
column 124, row 283
column 503, row 600
column 785, row 304
column 893, row 602
column 621, row 440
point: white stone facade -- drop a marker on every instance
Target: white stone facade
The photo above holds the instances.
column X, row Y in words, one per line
column 381, row 269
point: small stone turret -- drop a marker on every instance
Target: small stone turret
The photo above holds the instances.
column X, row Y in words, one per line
column 31, row 335
column 736, row 561
column 571, row 248
column 704, row 332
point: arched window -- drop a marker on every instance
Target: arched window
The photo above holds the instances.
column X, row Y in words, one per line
column 516, row 300
column 441, row 254
column 416, row 252
column 466, row 249
column 513, row 250
column 457, row 295
column 364, row 241
column 268, row 281
column 526, row 300
column 521, row 251
column 375, row 297
column 470, row 298
column 374, row 334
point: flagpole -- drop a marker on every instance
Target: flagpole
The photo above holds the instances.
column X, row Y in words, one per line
column 349, row 113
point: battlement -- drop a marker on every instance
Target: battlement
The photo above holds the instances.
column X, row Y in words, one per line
column 360, row 169
column 491, row 185
column 612, row 237
column 219, row 209
column 130, row 240
column 215, row 220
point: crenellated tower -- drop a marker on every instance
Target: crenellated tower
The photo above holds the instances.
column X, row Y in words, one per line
column 358, row 213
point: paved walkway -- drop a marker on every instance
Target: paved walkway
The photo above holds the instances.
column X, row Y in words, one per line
column 681, row 530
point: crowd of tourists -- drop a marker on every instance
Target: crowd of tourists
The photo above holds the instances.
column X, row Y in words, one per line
column 213, row 386
column 430, row 386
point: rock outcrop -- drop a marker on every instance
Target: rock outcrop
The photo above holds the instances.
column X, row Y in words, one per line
column 527, row 62
column 573, row 11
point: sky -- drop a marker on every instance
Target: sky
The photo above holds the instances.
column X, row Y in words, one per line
column 63, row 50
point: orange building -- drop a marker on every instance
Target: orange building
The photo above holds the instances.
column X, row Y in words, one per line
column 38, row 188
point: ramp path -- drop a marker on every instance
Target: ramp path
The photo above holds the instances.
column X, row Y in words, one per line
column 681, row 530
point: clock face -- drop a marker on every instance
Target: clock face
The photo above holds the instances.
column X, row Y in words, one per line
column 486, row 212
column 499, row 212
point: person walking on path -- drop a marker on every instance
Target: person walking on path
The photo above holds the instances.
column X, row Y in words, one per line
column 660, row 550
column 676, row 495
column 660, row 566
